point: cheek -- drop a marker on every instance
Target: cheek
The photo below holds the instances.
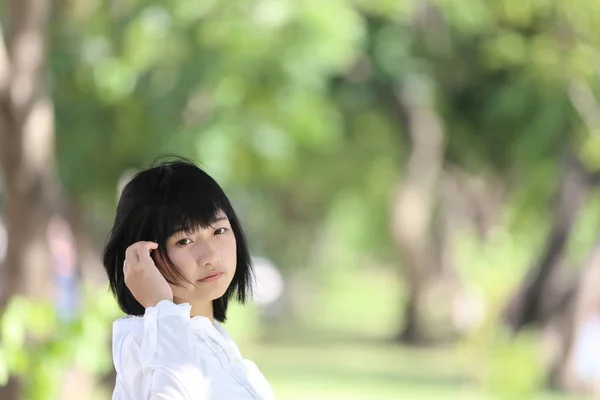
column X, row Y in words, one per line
column 176, row 258
column 229, row 252
column 181, row 260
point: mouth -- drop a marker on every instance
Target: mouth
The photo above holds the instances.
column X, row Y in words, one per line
column 212, row 278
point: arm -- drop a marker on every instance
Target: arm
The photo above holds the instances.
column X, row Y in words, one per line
column 161, row 366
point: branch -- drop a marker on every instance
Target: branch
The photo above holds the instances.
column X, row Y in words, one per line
column 585, row 103
column 4, row 65
column 27, row 48
column 4, row 90
column 26, row 114
column 588, row 108
column 594, row 178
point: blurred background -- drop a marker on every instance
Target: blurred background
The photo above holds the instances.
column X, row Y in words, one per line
column 419, row 181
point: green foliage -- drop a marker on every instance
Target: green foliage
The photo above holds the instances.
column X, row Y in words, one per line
column 585, row 232
column 513, row 366
column 53, row 345
column 496, row 266
column 279, row 101
column 293, row 107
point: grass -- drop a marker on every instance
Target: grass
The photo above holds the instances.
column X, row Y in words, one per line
column 368, row 370
column 355, row 371
column 343, row 352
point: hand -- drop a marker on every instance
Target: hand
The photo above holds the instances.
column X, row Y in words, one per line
column 143, row 278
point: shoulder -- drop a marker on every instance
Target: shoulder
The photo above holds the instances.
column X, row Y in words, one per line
column 128, row 334
column 128, row 327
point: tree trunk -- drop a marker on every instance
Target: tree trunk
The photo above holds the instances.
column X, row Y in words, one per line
column 526, row 306
column 416, row 200
column 582, row 313
column 26, row 157
column 473, row 202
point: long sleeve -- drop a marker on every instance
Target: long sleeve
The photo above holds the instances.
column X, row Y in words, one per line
column 159, row 363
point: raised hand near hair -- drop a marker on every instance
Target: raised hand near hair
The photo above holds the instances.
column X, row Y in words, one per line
column 142, row 277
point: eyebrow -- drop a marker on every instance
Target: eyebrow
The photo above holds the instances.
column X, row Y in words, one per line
column 219, row 219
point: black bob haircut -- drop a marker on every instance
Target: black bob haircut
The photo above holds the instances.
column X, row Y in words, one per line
column 170, row 197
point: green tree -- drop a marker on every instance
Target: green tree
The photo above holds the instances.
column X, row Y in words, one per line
column 32, row 193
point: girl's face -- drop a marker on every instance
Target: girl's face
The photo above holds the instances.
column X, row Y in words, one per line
column 207, row 258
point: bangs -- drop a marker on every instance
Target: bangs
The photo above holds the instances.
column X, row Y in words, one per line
column 188, row 206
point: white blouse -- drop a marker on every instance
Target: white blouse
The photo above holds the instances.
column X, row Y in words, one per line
column 166, row 355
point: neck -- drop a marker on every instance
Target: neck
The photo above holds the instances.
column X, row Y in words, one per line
column 204, row 309
column 199, row 308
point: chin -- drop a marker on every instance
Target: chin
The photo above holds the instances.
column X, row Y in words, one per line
column 211, row 294
column 218, row 293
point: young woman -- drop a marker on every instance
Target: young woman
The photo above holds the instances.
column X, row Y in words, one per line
column 175, row 257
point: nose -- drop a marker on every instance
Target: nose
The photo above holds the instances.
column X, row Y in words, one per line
column 207, row 254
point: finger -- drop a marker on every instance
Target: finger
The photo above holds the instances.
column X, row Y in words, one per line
column 144, row 249
column 152, row 246
column 131, row 254
column 139, row 248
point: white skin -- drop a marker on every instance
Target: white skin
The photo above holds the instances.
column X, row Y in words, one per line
column 196, row 255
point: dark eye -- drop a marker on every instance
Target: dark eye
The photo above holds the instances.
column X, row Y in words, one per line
column 184, row 242
column 221, row 231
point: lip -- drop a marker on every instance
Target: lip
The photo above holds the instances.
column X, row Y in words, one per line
column 212, row 278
